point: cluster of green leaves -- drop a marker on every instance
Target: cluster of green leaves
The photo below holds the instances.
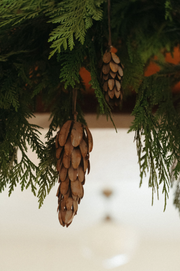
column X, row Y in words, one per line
column 43, row 45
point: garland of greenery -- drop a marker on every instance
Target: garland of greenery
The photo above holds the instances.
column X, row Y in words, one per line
column 43, row 45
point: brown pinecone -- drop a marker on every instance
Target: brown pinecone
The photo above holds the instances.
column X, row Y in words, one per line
column 73, row 144
column 112, row 73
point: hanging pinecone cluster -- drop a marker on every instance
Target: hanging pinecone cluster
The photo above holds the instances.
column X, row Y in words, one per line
column 112, row 73
column 73, row 144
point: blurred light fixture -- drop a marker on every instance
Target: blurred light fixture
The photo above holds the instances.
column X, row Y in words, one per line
column 108, row 244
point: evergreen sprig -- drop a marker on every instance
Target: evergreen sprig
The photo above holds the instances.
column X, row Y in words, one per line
column 18, row 137
column 71, row 62
column 43, row 45
column 46, row 174
column 157, row 134
column 74, row 18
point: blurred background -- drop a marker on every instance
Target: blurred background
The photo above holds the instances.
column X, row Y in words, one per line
column 136, row 236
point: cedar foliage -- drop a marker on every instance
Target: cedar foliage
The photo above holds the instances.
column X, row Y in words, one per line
column 43, row 45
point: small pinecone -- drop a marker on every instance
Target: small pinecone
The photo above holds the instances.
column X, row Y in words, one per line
column 112, row 73
column 73, row 144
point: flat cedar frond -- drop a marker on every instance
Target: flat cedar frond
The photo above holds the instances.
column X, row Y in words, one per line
column 14, row 13
column 177, row 195
column 71, row 62
column 94, row 75
column 24, row 173
column 21, row 134
column 46, row 176
column 135, row 67
column 72, row 19
column 157, row 134
column 9, row 94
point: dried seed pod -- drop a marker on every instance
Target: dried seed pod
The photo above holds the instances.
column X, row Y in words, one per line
column 117, row 93
column 106, row 69
column 69, row 203
column 113, row 66
column 119, row 77
column 75, row 198
column 118, row 85
column 58, row 152
column 83, row 148
column 60, row 218
column 76, row 134
column 75, row 206
column 62, row 204
column 88, row 166
column 81, row 174
column 63, row 174
column 76, row 158
column 58, row 192
column 64, row 186
column 90, row 139
column 105, row 76
column 111, row 93
column 72, row 173
column 68, row 147
column 59, row 164
column 67, row 195
column 67, row 217
column 105, row 86
column 73, row 162
column 112, row 73
column 111, row 84
column 77, row 189
column 85, row 163
column 107, row 57
column 66, row 160
column 64, row 132
column 120, row 71
column 115, row 58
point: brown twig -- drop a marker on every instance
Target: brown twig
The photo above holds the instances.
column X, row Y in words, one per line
column 74, row 103
column 109, row 22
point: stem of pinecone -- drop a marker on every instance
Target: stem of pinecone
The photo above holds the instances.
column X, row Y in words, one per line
column 74, row 103
column 109, row 22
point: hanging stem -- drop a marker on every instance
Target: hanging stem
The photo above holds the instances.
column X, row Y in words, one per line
column 109, row 22
column 74, row 103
